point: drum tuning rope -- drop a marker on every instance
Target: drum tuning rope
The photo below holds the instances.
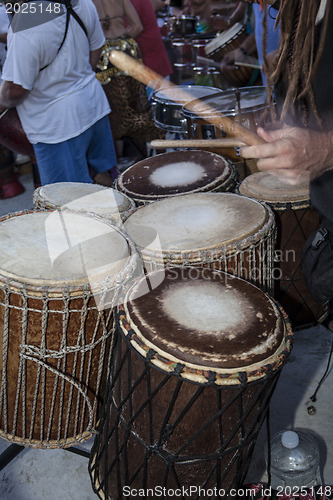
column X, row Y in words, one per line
column 145, row 75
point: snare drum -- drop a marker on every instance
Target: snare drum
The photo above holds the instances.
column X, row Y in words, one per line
column 85, row 198
column 245, row 105
column 167, row 105
column 176, row 173
column 224, row 231
column 223, row 43
column 296, row 220
column 183, row 25
column 194, row 367
column 60, row 276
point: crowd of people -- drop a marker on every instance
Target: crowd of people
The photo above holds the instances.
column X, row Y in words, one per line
column 75, row 107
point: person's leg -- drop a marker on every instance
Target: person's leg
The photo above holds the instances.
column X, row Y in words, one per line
column 62, row 162
column 101, row 153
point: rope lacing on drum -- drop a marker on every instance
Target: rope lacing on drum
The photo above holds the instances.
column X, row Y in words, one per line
column 125, row 412
column 45, row 399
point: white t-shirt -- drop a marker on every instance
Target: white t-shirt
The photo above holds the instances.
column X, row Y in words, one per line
column 65, row 98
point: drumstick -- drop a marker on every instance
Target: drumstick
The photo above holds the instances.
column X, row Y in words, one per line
column 196, row 143
column 248, row 65
column 145, row 75
column 207, row 60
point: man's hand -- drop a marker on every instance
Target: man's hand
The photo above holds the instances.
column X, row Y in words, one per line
column 293, row 150
column 228, row 61
column 11, row 95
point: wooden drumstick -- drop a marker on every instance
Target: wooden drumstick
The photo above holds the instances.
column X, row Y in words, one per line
column 145, row 75
column 196, row 143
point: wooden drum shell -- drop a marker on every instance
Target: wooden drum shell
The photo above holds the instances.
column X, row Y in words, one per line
column 55, row 340
column 296, row 220
column 173, row 425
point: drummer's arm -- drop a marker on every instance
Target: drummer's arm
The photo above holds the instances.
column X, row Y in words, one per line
column 11, row 95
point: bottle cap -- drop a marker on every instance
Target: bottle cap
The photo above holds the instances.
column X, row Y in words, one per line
column 289, row 439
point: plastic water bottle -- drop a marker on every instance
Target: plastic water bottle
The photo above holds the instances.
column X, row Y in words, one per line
column 294, row 460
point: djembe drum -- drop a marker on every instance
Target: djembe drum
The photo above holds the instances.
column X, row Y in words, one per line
column 193, row 370
column 176, row 173
column 220, row 230
column 296, row 220
column 61, row 273
column 85, row 198
column 223, row 43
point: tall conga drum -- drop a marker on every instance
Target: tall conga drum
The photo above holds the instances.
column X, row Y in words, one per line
column 224, row 231
column 193, row 370
column 177, row 173
column 61, row 274
column 85, row 198
column 296, row 220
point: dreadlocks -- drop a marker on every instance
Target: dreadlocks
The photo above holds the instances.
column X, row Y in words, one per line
column 298, row 57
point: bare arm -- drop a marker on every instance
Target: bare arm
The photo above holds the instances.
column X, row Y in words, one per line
column 94, row 57
column 248, row 48
column 132, row 17
column 224, row 22
column 158, row 4
column 11, row 95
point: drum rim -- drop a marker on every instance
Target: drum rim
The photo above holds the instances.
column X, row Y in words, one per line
column 241, row 29
column 39, row 287
column 41, row 201
column 188, row 114
column 216, row 251
column 205, row 374
column 51, row 443
column 227, row 179
column 182, row 87
column 296, row 202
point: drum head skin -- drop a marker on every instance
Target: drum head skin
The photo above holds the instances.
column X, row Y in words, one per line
column 195, row 221
column 58, row 249
column 272, row 188
column 175, row 173
column 176, row 94
column 206, row 319
column 82, row 197
column 223, row 38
